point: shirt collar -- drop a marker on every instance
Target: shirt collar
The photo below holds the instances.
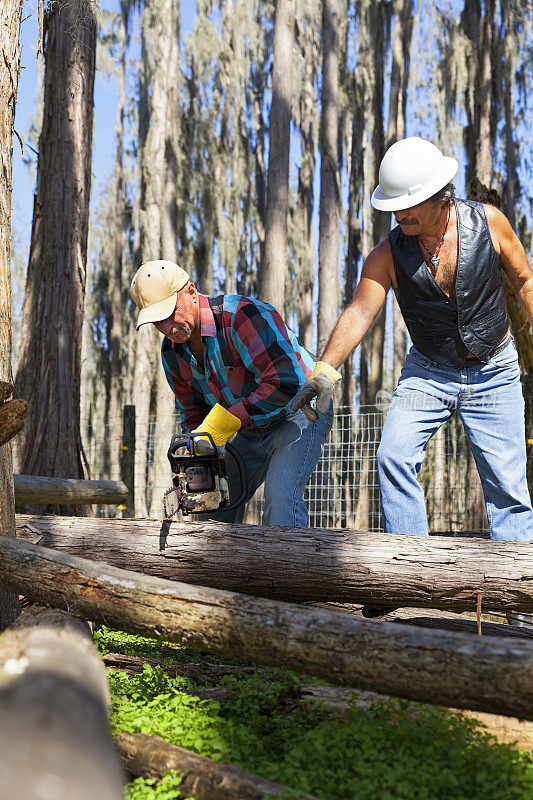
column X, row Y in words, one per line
column 207, row 320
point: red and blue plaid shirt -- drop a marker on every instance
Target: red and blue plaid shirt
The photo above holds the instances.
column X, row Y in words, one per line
column 253, row 364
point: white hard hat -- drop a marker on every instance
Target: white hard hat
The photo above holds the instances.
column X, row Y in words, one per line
column 411, row 171
column 154, row 290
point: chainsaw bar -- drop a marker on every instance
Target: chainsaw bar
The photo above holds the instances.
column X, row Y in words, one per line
column 171, row 504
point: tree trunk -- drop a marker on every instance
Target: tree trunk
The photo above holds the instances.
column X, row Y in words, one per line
column 54, row 703
column 352, row 259
column 151, row 757
column 305, row 253
column 10, row 14
column 49, row 366
column 320, row 565
column 485, row 131
column 115, row 394
column 463, row 671
column 166, row 423
column 156, row 55
column 328, row 247
column 511, row 185
column 439, row 520
column 274, row 267
column 471, row 25
column 401, row 46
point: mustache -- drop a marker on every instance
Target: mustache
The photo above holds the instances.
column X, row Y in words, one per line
column 407, row 222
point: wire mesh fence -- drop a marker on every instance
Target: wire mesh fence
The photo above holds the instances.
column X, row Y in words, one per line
column 343, row 490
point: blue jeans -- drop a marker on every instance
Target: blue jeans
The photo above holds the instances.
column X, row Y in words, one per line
column 282, row 455
column 489, row 400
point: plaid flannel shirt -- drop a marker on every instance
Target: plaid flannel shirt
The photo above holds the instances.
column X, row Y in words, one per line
column 253, row 364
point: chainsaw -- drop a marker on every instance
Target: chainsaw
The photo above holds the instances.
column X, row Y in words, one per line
column 199, row 480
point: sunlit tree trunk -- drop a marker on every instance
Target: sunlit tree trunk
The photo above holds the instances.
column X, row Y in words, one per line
column 48, row 375
column 328, row 248
column 10, row 14
column 155, row 61
column 304, row 257
column 117, row 328
column 486, row 133
column 165, row 424
column 401, row 45
column 274, row 268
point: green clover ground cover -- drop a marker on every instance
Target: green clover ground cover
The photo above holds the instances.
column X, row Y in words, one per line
column 381, row 752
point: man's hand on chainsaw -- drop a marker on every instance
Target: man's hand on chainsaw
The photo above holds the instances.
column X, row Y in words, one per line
column 320, row 384
column 221, row 424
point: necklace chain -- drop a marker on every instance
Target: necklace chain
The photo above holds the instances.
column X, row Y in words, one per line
column 433, row 257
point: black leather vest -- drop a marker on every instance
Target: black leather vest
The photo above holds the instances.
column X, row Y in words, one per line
column 441, row 329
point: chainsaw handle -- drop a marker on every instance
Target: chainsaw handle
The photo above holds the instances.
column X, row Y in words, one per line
column 243, row 480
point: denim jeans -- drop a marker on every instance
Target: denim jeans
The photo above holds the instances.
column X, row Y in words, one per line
column 282, row 455
column 489, row 401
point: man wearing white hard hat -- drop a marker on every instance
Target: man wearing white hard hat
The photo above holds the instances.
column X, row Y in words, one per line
column 234, row 367
column 443, row 260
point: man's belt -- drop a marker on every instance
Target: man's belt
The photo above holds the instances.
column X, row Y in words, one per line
column 502, row 346
column 475, row 362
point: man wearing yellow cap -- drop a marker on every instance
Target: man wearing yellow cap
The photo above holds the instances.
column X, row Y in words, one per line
column 234, row 367
column 444, row 260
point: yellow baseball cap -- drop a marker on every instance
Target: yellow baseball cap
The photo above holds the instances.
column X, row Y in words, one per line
column 154, row 289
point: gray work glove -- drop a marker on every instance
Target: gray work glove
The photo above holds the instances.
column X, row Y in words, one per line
column 320, row 384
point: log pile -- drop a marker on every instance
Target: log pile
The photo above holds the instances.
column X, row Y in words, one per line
column 295, row 564
column 452, row 669
column 54, row 702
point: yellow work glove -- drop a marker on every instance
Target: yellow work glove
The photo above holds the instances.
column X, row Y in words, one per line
column 320, row 384
column 221, row 424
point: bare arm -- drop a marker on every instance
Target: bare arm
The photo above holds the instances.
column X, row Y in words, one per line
column 513, row 258
column 370, row 295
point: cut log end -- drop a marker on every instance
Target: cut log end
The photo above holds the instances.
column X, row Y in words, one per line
column 12, row 416
column 6, row 390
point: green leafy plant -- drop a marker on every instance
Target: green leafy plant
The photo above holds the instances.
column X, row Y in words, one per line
column 385, row 752
column 168, row 788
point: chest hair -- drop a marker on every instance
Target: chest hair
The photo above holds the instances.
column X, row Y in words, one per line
column 446, row 273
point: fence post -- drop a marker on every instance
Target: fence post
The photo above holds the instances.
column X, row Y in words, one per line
column 127, row 460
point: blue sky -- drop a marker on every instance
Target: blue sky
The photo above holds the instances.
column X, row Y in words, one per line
column 105, row 103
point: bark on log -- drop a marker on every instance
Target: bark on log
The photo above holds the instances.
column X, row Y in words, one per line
column 459, row 670
column 151, row 756
column 38, row 489
column 12, row 416
column 297, row 564
column 54, row 700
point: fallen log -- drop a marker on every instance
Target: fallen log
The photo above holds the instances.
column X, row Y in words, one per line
column 54, row 701
column 297, row 564
column 482, row 673
column 199, row 672
column 39, row 489
column 150, row 757
column 507, row 730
